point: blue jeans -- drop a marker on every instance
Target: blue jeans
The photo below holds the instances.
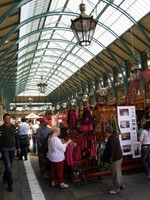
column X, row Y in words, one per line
column 145, row 155
column 8, row 157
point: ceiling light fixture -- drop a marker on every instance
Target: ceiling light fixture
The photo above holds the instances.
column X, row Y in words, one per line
column 83, row 27
column 135, row 70
column 42, row 85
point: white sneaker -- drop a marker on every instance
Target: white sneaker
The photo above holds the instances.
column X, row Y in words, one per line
column 115, row 191
column 54, row 183
column 63, row 185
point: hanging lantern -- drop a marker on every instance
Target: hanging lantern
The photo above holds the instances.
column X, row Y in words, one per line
column 42, row 85
column 135, row 70
column 85, row 97
column 103, row 91
column 83, row 27
column 73, row 102
column 64, row 105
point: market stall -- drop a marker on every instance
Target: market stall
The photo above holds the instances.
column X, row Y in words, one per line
column 86, row 154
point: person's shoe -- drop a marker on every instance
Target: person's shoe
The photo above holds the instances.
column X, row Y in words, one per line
column 54, row 183
column 63, row 185
column 10, row 188
column 115, row 191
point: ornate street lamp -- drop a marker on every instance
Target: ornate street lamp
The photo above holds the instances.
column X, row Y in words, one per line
column 135, row 70
column 83, row 27
column 85, row 97
column 73, row 102
column 103, row 91
column 64, row 105
column 42, row 85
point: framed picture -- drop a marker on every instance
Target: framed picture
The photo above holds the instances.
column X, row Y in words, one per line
column 124, row 112
column 136, row 150
column 126, row 149
column 125, row 124
column 125, row 136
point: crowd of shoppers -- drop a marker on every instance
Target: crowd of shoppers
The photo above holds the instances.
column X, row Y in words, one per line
column 51, row 150
column 51, row 146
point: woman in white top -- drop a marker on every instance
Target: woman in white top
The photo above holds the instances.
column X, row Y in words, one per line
column 56, row 150
column 145, row 151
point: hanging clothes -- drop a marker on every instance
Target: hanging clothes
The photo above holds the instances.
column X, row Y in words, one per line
column 86, row 120
column 72, row 118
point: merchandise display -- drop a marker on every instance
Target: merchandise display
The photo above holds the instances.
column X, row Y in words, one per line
column 88, row 146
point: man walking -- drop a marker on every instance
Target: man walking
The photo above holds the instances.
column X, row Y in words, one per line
column 23, row 130
column 9, row 141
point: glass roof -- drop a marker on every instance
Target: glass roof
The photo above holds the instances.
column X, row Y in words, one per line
column 48, row 47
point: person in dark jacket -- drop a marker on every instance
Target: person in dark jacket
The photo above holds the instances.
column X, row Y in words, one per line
column 9, row 142
column 113, row 155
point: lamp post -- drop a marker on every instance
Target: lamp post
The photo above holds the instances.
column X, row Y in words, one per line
column 83, row 27
column 42, row 85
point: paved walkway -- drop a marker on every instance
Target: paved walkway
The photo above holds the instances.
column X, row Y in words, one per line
column 137, row 188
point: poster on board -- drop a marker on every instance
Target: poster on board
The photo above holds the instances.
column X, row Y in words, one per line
column 136, row 150
column 128, row 129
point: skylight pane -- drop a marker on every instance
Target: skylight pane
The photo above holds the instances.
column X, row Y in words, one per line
column 61, row 43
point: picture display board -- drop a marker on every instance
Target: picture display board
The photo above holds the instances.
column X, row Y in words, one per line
column 128, row 128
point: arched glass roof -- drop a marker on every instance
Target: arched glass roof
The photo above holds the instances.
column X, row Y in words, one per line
column 50, row 56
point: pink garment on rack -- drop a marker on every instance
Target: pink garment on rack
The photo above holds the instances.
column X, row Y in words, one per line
column 93, row 151
column 72, row 118
column 69, row 156
column 77, row 153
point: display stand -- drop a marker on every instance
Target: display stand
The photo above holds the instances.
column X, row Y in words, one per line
column 92, row 165
column 93, row 170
